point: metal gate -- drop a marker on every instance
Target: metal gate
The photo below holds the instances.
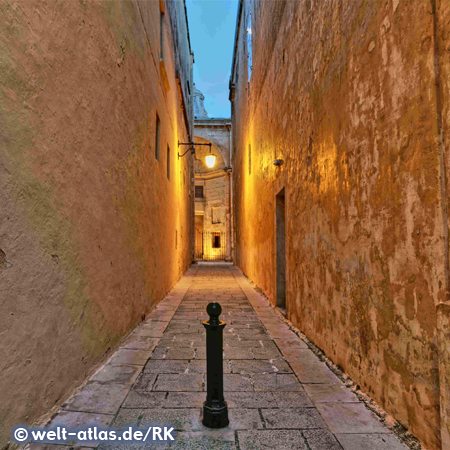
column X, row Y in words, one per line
column 210, row 245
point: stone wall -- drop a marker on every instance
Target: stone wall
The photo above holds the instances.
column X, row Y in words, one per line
column 214, row 207
column 216, row 131
column 93, row 233
column 353, row 97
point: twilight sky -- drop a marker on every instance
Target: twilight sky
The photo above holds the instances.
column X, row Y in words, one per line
column 211, row 28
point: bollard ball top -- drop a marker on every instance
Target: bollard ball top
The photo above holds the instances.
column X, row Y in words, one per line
column 214, row 309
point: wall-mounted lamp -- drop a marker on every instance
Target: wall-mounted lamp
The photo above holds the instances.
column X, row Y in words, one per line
column 278, row 162
column 191, row 148
column 210, row 159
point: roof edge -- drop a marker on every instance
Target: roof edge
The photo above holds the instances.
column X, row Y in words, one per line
column 236, row 36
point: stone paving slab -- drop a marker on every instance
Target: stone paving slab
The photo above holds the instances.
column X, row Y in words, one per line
column 101, row 398
column 272, row 439
column 124, row 374
column 370, row 441
column 73, row 420
column 350, row 418
column 279, row 394
column 330, row 393
column 292, row 418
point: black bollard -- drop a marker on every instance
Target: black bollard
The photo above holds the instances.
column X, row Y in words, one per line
column 215, row 409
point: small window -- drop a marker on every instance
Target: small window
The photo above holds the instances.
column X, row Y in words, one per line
column 198, row 191
column 216, row 240
column 161, row 36
column 168, row 162
column 157, row 137
column 249, row 159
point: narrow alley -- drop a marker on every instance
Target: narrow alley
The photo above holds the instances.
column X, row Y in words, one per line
column 279, row 394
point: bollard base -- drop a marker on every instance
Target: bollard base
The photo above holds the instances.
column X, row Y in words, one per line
column 215, row 417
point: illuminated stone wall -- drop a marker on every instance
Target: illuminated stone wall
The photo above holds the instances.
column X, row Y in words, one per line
column 93, row 231
column 353, row 98
column 214, row 207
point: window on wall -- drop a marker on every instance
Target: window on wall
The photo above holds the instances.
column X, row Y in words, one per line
column 162, row 32
column 249, row 47
column 157, row 137
column 198, row 191
column 168, row 162
column 216, row 240
column 249, row 159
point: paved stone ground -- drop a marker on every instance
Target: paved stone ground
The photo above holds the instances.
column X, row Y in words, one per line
column 278, row 393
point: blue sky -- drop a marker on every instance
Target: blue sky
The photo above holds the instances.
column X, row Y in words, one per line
column 211, row 28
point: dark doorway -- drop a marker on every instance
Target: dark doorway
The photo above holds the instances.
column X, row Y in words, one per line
column 281, row 250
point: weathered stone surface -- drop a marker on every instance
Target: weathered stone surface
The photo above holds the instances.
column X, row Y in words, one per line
column 141, row 343
column 36, row 446
column 315, row 372
column 261, row 397
column 179, row 382
column 130, row 356
column 74, row 420
column 99, row 398
column 251, row 400
column 370, row 442
column 205, row 440
column 350, row 418
column 238, row 353
column 145, row 382
column 88, row 251
column 127, row 417
column 260, row 366
column 136, row 399
column 352, row 97
column 236, row 382
column 183, row 419
column 117, row 374
column 199, row 366
column 184, row 399
column 244, row 419
column 166, row 366
column 275, row 382
column 270, row 439
column 291, row 399
column 323, row 440
column 290, row 343
column 330, row 393
column 296, row 418
column 266, row 353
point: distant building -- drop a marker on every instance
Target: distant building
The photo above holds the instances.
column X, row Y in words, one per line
column 213, row 221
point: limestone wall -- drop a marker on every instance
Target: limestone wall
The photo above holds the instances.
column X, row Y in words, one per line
column 215, row 204
column 345, row 94
column 93, row 233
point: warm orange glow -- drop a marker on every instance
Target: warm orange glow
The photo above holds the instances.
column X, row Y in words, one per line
column 210, row 160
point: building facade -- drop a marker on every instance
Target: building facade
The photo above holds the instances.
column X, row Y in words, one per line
column 339, row 121
column 213, row 191
column 97, row 211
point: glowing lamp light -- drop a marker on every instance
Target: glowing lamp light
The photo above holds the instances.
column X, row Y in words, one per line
column 210, row 160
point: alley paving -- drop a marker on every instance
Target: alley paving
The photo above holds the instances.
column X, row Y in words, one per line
column 279, row 394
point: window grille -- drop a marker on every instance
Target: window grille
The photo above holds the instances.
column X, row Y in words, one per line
column 198, row 191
